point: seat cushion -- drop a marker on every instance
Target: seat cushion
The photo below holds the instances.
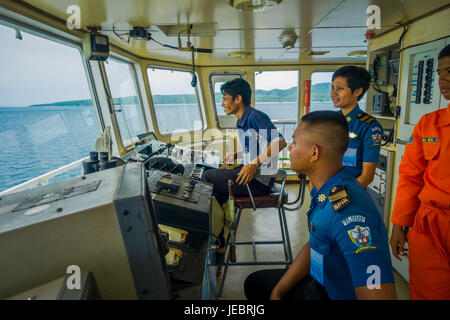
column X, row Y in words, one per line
column 269, row 200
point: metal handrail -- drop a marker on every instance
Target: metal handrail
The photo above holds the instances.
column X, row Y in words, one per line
column 43, row 179
column 301, row 194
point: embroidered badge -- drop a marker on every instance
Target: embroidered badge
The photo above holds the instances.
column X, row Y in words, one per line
column 429, row 140
column 348, row 119
column 411, row 140
column 352, row 135
column 361, row 237
column 338, row 198
column 376, row 138
column 321, row 197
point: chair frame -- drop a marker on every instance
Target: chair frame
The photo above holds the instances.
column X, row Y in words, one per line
column 285, row 240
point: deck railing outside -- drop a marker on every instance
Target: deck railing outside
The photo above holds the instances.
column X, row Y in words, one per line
column 286, row 128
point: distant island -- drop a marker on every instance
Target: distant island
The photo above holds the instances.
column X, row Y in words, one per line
column 319, row 92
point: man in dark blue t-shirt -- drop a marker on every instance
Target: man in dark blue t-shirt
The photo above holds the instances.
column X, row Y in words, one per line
column 259, row 142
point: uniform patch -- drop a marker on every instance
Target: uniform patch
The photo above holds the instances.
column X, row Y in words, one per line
column 376, row 129
column 411, row 140
column 429, row 140
column 353, row 219
column 364, row 117
column 321, row 197
column 338, row 198
column 361, row 237
column 376, row 138
column 352, row 135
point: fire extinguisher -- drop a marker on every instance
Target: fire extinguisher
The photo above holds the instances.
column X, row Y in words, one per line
column 307, row 95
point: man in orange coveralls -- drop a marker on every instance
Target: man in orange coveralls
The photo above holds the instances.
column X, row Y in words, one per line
column 423, row 199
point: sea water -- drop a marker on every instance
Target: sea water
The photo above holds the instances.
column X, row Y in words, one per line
column 37, row 140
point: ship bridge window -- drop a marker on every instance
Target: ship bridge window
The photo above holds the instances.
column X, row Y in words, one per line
column 47, row 118
column 276, row 94
column 176, row 102
column 321, row 90
column 127, row 107
column 216, row 80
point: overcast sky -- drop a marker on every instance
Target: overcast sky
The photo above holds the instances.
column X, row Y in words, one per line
column 35, row 71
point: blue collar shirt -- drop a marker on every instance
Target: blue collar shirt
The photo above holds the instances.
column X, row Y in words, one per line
column 349, row 245
column 364, row 140
column 256, row 131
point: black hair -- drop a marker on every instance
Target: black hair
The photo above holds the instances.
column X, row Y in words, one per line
column 237, row 87
column 356, row 78
column 335, row 124
column 444, row 52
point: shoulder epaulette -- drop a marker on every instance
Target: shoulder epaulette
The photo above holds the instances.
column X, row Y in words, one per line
column 338, row 198
column 364, row 117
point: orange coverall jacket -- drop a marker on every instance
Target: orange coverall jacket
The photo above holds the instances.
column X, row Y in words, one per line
column 422, row 201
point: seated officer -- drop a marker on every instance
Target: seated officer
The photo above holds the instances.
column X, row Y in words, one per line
column 347, row 256
column 255, row 131
column 349, row 84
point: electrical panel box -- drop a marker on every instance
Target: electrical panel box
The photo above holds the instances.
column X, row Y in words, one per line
column 381, row 68
column 95, row 47
column 419, row 88
column 421, row 95
column 380, row 104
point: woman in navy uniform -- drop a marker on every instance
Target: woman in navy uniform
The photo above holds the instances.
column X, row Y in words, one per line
column 349, row 84
column 347, row 256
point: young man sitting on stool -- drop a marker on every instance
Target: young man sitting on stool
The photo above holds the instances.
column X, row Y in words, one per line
column 255, row 131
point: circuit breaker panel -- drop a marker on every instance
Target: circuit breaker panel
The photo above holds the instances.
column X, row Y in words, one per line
column 424, row 90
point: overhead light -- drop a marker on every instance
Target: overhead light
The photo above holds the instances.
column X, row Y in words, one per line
column 240, row 54
column 253, row 5
column 358, row 53
column 288, row 38
column 317, row 53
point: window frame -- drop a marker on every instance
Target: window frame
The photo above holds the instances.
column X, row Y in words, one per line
column 45, row 32
column 329, row 70
column 225, row 75
column 66, row 40
column 310, row 79
column 298, row 88
column 198, row 95
column 132, row 67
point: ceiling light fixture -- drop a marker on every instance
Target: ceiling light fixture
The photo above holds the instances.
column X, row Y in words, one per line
column 357, row 53
column 317, row 53
column 253, row 5
column 240, row 54
column 288, row 38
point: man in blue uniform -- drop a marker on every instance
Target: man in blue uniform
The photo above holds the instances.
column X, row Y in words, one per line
column 260, row 143
column 349, row 84
column 347, row 256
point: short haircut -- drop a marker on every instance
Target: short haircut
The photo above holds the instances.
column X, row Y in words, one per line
column 333, row 125
column 237, row 87
column 444, row 52
column 356, row 78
